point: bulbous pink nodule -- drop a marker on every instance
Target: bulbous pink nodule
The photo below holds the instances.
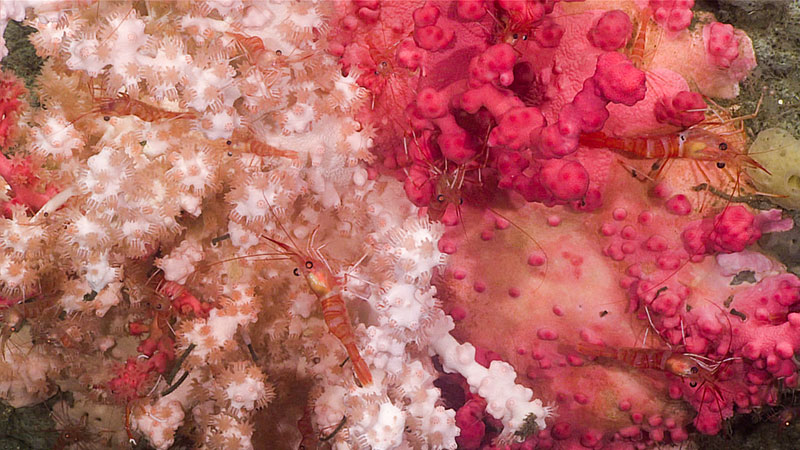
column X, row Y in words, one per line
column 618, row 80
column 611, row 31
column 567, row 180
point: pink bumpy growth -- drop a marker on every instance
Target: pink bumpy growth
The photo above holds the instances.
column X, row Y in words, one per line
column 127, row 385
column 722, row 46
column 612, row 31
column 495, row 65
column 683, row 110
column 730, row 231
column 618, row 80
column 426, row 34
column 674, row 15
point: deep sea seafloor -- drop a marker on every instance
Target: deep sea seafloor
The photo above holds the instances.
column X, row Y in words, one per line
column 400, row 224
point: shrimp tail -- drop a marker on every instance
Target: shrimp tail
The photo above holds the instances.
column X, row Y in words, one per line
column 601, row 140
column 595, row 350
column 359, row 365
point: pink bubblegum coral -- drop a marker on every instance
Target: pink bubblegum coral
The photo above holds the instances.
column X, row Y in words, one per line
column 722, row 47
column 612, row 30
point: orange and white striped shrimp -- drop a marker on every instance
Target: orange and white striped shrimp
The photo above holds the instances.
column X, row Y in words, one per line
column 695, row 143
column 664, row 360
column 702, row 372
column 124, row 105
column 311, row 264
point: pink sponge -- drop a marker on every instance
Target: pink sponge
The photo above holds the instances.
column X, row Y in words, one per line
column 612, row 31
column 674, row 15
column 471, row 9
column 683, row 110
column 730, row 231
column 517, row 128
column 495, row 65
column 722, row 47
column 548, row 34
column 567, row 180
column 426, row 34
column 618, row 80
column 431, row 104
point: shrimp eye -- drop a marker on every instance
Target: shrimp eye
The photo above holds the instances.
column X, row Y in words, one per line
column 296, row 272
column 723, row 146
column 694, row 369
column 230, row 153
column 515, row 36
column 384, row 64
column 228, row 142
column 721, row 165
column 440, row 198
column 693, row 384
column 377, row 73
column 309, row 265
column 45, row 213
column 106, row 118
column 278, row 52
column 460, row 201
column 524, row 37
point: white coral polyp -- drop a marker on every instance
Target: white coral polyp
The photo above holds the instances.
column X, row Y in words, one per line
column 415, row 249
column 159, row 421
column 87, row 233
column 83, row 56
column 384, row 351
column 440, row 428
column 220, row 124
column 20, row 235
column 385, row 430
column 245, row 394
column 252, row 201
column 99, row 272
column 14, row 273
column 193, row 169
column 298, row 119
column 212, row 87
column 241, row 237
column 405, row 305
column 347, row 95
column 180, row 263
column 56, row 137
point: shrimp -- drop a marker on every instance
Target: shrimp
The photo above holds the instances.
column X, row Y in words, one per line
column 124, row 105
column 695, row 143
column 313, row 267
column 702, row 372
column 683, row 365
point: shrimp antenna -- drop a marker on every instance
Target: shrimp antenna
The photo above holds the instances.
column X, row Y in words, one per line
column 528, row 235
column 280, row 225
